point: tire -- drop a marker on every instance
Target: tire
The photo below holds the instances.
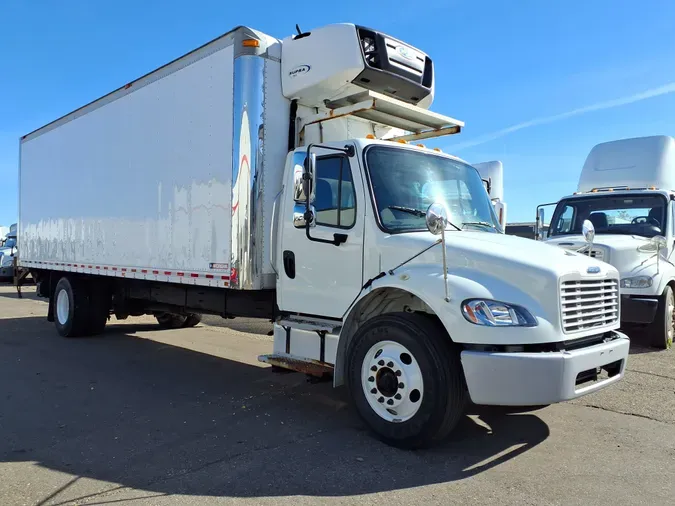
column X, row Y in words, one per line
column 192, row 320
column 170, row 320
column 99, row 312
column 71, row 308
column 662, row 329
column 432, row 368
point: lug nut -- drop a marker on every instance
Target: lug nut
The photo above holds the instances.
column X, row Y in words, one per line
column 371, row 379
column 390, row 402
column 398, row 373
column 381, row 399
column 401, row 385
column 374, row 368
column 381, row 362
column 390, row 364
column 397, row 397
column 374, row 391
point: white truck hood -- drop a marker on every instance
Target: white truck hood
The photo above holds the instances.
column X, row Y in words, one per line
column 503, row 267
column 619, row 250
column 473, row 249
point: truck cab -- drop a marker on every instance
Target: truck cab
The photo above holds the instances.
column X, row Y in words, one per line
column 625, row 192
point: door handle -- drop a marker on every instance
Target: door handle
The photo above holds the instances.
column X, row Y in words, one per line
column 289, row 264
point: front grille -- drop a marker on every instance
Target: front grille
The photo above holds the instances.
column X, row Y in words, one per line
column 589, row 303
column 598, row 253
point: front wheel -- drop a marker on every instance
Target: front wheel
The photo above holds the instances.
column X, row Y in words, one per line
column 406, row 379
column 664, row 324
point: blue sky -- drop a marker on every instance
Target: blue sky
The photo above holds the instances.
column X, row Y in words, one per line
column 537, row 82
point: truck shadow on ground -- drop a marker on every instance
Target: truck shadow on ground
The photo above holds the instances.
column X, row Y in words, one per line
column 166, row 420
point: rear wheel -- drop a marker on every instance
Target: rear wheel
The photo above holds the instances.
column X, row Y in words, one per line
column 71, row 305
column 170, row 320
column 192, row 320
column 406, row 379
column 664, row 324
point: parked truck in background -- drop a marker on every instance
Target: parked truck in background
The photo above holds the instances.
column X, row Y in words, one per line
column 282, row 179
column 627, row 191
column 493, row 174
column 8, row 250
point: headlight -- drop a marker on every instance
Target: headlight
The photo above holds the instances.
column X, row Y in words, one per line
column 637, row 282
column 496, row 314
column 5, row 260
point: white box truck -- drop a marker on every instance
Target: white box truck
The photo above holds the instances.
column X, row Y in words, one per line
column 277, row 179
column 626, row 191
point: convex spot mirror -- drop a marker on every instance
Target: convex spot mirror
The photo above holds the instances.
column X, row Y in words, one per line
column 437, row 218
column 588, row 231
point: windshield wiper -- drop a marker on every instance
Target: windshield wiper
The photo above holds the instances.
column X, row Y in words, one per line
column 481, row 223
column 417, row 212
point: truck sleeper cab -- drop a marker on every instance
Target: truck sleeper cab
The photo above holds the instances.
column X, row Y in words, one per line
column 379, row 261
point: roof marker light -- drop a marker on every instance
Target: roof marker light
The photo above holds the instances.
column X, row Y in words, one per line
column 250, row 43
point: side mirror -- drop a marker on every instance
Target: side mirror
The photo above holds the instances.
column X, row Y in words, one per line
column 539, row 225
column 659, row 242
column 304, row 179
column 437, row 218
column 588, row 231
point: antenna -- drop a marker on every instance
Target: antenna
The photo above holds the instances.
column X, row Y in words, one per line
column 297, row 28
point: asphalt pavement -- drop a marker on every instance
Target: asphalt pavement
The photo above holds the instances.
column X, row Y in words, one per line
column 181, row 417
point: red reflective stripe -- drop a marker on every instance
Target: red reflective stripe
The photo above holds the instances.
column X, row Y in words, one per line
column 124, row 270
column 224, row 277
column 209, row 276
column 114, row 268
column 133, row 270
column 167, row 273
column 180, row 274
column 193, row 275
column 155, row 272
column 144, row 271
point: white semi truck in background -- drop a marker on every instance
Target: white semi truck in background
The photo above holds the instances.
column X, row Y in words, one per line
column 627, row 191
column 280, row 179
column 8, row 250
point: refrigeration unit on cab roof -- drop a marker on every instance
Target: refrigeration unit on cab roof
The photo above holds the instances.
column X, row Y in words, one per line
column 343, row 60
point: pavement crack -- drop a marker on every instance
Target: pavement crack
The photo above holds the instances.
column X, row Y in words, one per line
column 652, row 374
column 627, row 413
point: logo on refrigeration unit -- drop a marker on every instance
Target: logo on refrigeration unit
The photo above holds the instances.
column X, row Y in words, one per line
column 593, row 270
column 299, row 70
column 405, row 52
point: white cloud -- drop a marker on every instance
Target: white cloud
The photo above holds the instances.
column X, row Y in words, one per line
column 608, row 104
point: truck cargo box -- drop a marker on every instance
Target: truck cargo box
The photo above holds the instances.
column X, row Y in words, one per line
column 155, row 179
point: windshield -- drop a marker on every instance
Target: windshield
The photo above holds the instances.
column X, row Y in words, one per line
column 405, row 183
column 10, row 242
column 642, row 215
